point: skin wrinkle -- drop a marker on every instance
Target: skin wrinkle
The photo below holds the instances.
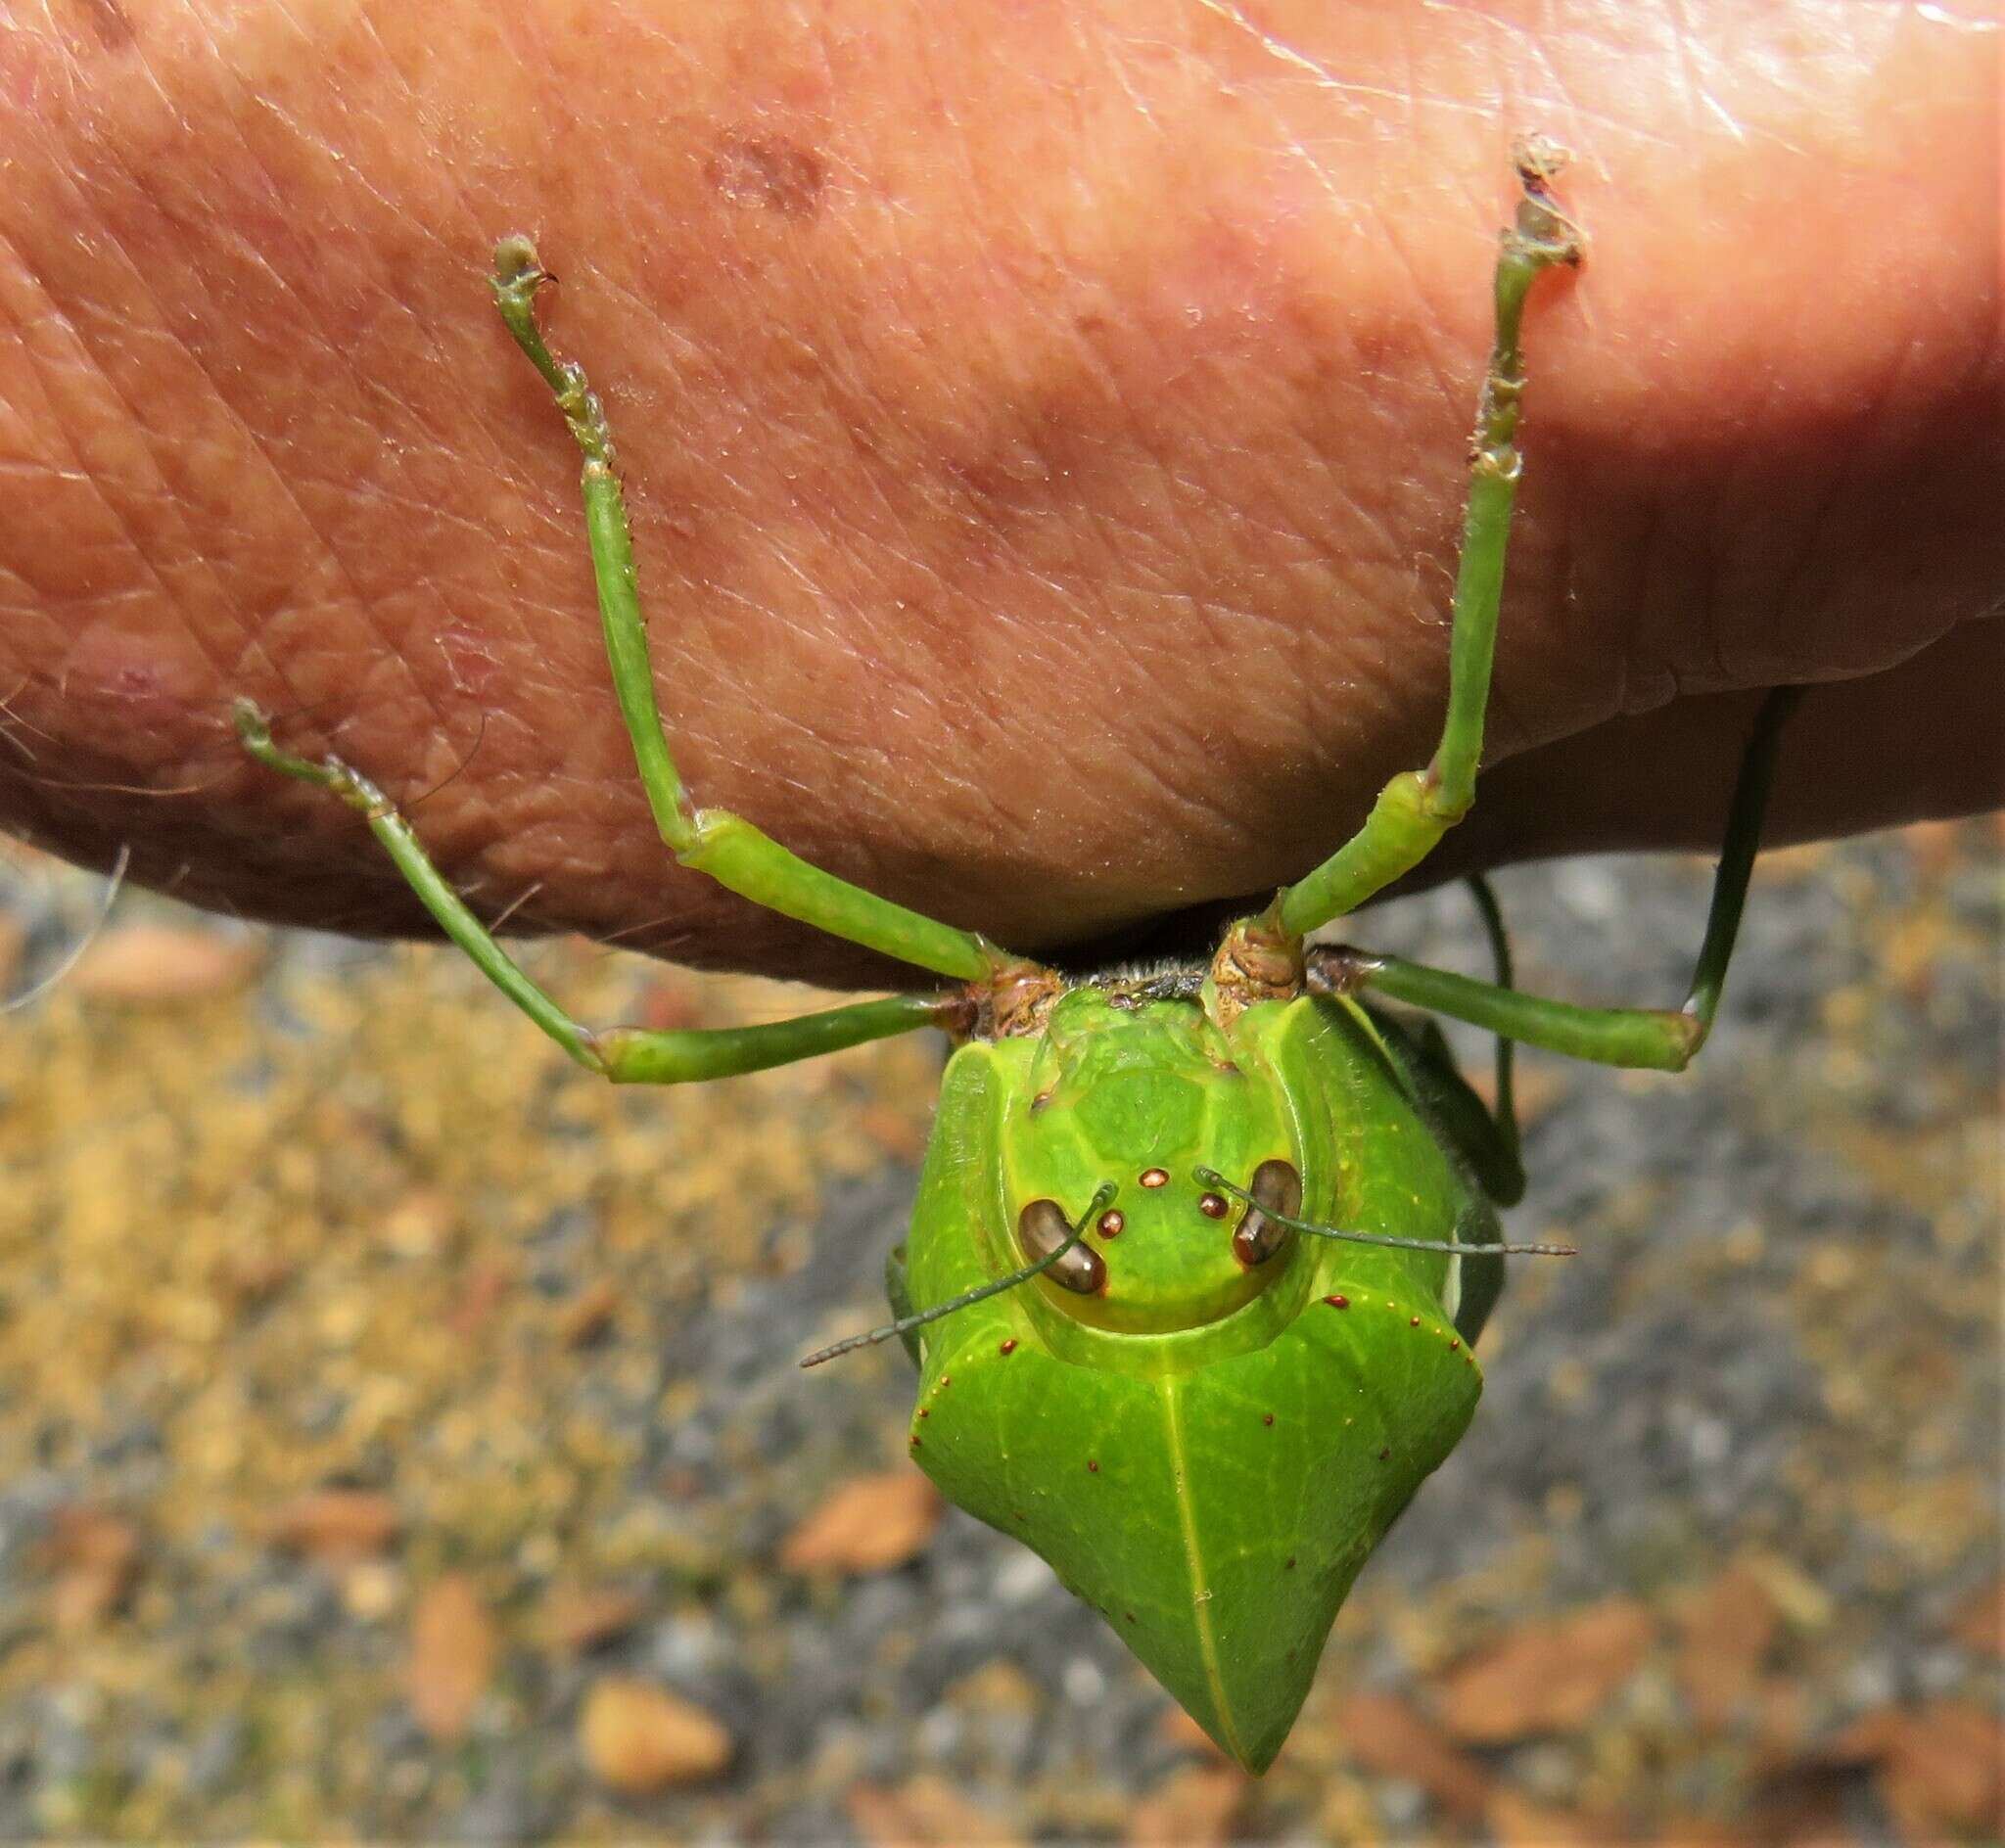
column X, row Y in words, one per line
column 1797, row 567
column 257, row 259
column 1739, row 486
column 1681, row 45
column 1701, row 609
column 55, row 402
column 275, row 474
column 376, row 388
column 1321, row 75
column 77, row 473
column 1181, row 492
column 858, row 554
column 1664, row 682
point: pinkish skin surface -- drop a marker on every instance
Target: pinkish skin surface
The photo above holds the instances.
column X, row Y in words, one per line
column 1044, row 424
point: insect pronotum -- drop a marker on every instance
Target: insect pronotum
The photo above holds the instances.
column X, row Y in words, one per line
column 1200, row 1254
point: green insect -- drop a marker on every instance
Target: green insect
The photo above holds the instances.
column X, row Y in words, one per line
column 1199, row 1253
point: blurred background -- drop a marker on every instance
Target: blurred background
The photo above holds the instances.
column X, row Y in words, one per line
column 401, row 1433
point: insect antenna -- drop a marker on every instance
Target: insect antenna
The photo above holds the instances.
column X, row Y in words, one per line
column 906, row 1324
column 1211, row 1178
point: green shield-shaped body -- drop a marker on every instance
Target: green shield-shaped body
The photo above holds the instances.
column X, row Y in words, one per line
column 1205, row 1448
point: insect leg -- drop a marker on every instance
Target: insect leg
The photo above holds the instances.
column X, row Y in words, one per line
column 1504, row 1118
column 1418, row 807
column 714, row 840
column 1659, row 1038
column 1486, row 1134
column 623, row 1054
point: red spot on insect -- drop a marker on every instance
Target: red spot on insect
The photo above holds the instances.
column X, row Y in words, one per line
column 1009, row 1346
column 1269, row 1419
column 1338, row 1302
column 1092, row 1468
column 1154, row 1177
column 1288, row 1565
column 1386, row 1453
column 1212, row 1205
column 1112, row 1223
column 1453, row 1344
column 924, row 1414
column 913, row 1440
column 947, row 1380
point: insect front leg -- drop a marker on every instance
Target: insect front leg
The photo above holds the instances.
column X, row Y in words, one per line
column 1656, row 1039
column 629, row 1055
column 1418, row 807
column 714, row 840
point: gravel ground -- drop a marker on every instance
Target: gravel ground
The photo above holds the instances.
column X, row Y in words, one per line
column 399, row 1434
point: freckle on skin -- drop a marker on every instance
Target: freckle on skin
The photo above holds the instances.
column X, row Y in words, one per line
column 769, row 170
column 142, row 680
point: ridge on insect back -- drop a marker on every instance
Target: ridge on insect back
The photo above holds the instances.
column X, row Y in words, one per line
column 1198, row 1254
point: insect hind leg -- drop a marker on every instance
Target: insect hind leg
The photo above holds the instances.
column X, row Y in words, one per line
column 624, row 1054
column 713, row 841
column 1664, row 1040
column 1418, row 807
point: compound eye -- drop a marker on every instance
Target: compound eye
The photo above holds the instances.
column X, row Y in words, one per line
column 1275, row 1188
column 1041, row 1228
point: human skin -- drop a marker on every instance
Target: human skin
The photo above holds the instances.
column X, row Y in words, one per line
column 1043, row 426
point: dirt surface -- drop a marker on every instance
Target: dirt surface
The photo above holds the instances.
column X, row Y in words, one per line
column 399, row 1434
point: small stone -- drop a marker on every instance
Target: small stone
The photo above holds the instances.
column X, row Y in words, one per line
column 480, row 1296
column 452, row 1656
column 1728, row 1628
column 869, row 1524
column 1517, row 1822
column 926, row 1810
column 370, row 1588
column 1177, row 1728
column 1938, row 1766
column 1383, row 1734
column 1194, row 1808
column 639, row 1740
column 336, row 1525
column 588, row 1315
column 247, row 1279
column 139, row 964
column 1546, row 1677
column 577, row 1617
column 898, row 1133
column 95, row 1557
column 419, row 1225
column 1980, row 1626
